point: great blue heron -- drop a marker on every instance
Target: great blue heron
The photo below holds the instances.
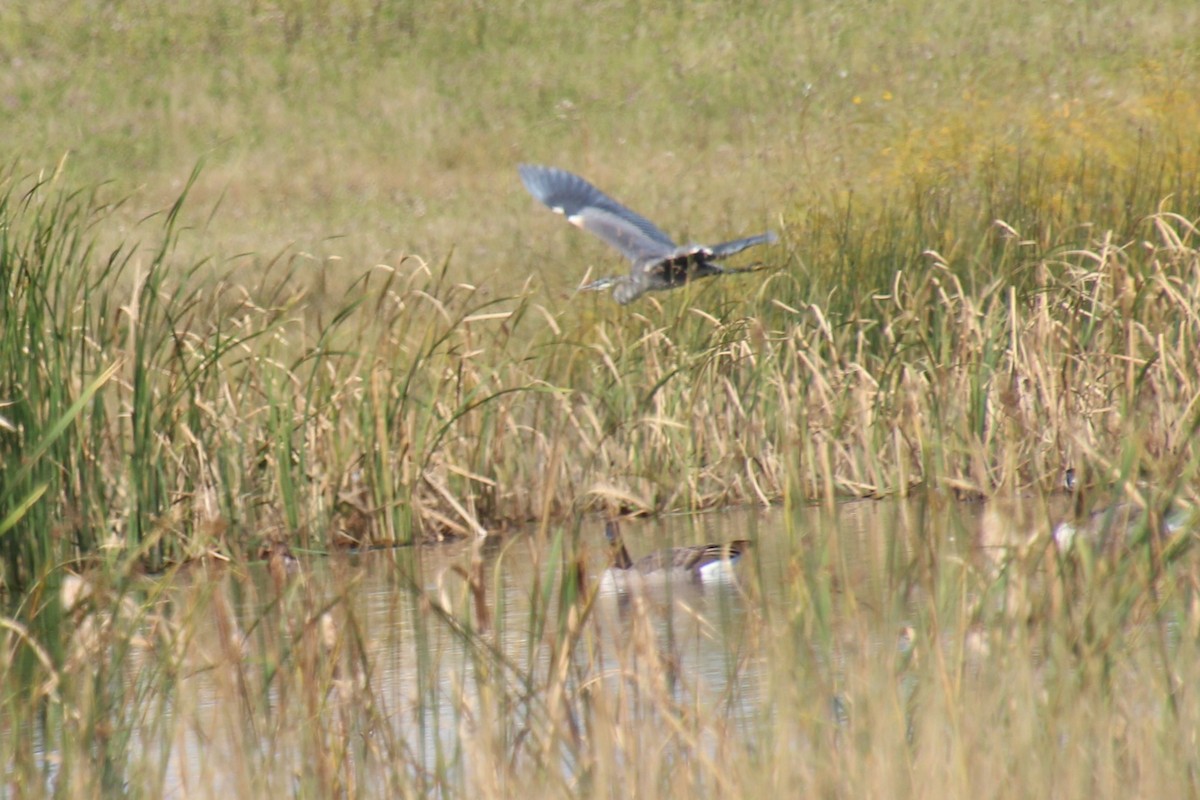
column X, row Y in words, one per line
column 702, row 564
column 658, row 263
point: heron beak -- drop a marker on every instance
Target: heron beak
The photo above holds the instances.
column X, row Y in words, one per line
column 598, row 285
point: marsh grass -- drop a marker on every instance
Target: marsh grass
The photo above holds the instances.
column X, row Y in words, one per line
column 155, row 411
column 347, row 329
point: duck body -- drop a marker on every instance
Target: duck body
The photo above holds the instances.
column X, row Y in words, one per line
column 1114, row 525
column 705, row 564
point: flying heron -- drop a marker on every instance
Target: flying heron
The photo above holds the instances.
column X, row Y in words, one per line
column 658, row 263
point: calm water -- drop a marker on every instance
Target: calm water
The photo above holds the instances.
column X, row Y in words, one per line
column 385, row 629
column 699, row 631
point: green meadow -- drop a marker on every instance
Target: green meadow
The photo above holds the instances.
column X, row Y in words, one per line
column 270, row 282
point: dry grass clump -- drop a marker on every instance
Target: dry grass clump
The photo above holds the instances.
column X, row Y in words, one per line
column 164, row 416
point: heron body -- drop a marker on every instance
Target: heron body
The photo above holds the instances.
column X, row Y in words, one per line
column 705, row 564
column 658, row 263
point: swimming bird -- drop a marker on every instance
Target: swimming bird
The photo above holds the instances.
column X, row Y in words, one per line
column 1114, row 524
column 658, row 263
column 700, row 564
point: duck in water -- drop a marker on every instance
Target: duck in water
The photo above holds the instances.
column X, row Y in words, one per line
column 704, row 564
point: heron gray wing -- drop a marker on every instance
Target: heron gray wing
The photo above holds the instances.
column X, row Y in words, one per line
column 727, row 249
column 589, row 208
column 619, row 232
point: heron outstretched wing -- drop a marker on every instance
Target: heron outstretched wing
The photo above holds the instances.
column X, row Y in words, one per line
column 726, row 249
column 589, row 208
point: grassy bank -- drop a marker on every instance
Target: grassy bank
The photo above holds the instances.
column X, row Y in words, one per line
column 366, row 131
column 157, row 411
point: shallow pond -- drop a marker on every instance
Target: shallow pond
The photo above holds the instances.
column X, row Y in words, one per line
column 851, row 636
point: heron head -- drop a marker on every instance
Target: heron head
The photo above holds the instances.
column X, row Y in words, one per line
column 600, row 284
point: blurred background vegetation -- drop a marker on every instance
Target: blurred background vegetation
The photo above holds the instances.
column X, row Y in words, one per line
column 366, row 130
